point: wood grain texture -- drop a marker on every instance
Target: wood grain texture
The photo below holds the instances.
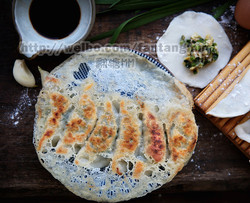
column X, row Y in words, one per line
column 216, row 166
column 216, row 91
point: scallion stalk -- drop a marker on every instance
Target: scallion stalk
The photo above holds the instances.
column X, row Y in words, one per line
column 149, row 16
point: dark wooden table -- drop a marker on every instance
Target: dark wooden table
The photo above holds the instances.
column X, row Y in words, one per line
column 217, row 171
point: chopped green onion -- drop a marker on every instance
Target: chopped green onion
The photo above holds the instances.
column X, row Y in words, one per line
column 199, row 54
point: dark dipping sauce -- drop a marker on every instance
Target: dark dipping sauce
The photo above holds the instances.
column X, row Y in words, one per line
column 55, row 19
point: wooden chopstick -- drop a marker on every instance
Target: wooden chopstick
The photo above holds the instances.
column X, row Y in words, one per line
column 218, row 89
column 227, row 87
column 201, row 98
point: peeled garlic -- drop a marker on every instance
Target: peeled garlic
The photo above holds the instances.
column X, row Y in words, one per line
column 22, row 74
column 43, row 73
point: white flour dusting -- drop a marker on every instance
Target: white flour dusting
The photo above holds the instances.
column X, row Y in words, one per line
column 24, row 102
column 228, row 18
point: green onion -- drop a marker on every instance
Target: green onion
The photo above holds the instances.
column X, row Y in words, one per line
column 182, row 42
column 219, row 11
column 215, row 56
column 107, row 2
column 120, row 28
column 192, row 58
column 149, row 16
column 124, row 5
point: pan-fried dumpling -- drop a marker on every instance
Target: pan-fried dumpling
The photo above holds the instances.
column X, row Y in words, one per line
column 112, row 124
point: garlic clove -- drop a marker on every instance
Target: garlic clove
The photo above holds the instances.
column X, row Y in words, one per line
column 22, row 74
column 43, row 74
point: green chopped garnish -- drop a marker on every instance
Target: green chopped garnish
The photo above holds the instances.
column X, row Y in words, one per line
column 200, row 52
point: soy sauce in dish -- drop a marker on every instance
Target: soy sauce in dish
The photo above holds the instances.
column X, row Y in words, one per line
column 54, row 19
